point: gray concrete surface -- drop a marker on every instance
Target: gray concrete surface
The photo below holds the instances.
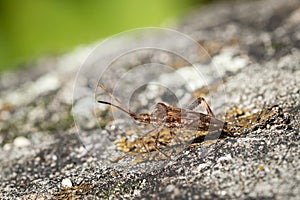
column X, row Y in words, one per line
column 43, row 156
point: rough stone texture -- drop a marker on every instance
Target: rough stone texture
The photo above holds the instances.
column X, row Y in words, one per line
column 40, row 148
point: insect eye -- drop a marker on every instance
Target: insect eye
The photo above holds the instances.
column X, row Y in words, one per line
column 159, row 111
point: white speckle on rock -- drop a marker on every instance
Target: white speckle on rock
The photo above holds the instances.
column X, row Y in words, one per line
column 66, row 183
column 30, row 91
column 174, row 190
column 21, row 142
column 194, row 77
column 47, row 83
column 83, row 113
column 227, row 61
column 223, row 193
column 7, row 146
column 227, row 157
column 137, row 192
column 170, row 188
column 54, row 157
column 201, row 166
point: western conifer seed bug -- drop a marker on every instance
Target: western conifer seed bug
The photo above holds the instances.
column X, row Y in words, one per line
column 173, row 118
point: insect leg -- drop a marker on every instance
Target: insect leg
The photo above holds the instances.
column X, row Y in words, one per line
column 148, row 132
column 157, row 130
column 197, row 102
column 174, row 135
column 157, row 135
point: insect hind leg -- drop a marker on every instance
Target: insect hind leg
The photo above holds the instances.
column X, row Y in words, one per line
column 197, row 102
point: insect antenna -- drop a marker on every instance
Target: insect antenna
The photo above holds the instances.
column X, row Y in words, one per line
column 121, row 107
column 110, row 94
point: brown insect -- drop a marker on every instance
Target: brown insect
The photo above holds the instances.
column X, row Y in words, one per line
column 165, row 116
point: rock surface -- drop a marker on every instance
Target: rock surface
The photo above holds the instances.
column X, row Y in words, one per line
column 43, row 155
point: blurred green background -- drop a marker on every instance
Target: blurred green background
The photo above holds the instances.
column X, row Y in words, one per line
column 33, row 28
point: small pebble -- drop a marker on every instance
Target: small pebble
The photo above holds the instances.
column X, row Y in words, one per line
column 66, row 183
column 21, row 141
column 170, row 188
column 7, row 146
